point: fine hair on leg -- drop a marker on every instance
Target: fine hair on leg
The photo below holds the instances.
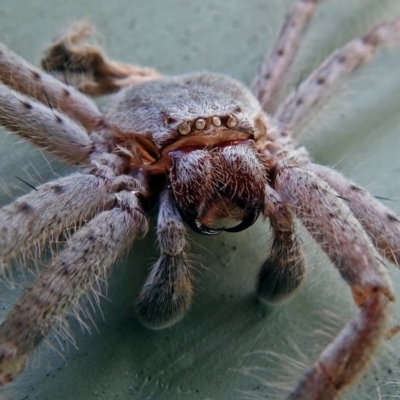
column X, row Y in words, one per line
column 23, row 77
column 167, row 292
column 382, row 226
column 76, row 271
column 47, row 128
column 298, row 104
column 341, row 236
column 269, row 82
column 284, row 270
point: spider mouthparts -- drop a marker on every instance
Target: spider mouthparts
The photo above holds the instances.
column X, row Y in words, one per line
column 198, row 227
column 247, row 221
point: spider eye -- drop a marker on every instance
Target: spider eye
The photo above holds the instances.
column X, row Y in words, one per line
column 200, row 124
column 216, row 121
column 232, row 122
column 184, row 129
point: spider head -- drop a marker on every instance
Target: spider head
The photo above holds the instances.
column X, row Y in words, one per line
column 201, row 131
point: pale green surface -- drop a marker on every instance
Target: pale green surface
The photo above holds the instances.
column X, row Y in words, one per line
column 206, row 354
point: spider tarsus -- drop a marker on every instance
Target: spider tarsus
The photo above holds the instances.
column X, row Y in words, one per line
column 167, row 293
column 283, row 272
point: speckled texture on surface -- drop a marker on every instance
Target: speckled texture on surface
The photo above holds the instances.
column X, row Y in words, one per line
column 207, row 354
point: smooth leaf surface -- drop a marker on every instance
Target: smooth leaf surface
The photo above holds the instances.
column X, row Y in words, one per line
column 228, row 346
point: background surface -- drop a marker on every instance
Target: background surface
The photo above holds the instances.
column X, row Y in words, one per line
column 228, row 346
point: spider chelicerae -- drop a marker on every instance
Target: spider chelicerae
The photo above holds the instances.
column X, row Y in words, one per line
column 201, row 148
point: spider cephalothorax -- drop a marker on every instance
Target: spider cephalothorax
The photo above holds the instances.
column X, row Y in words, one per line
column 202, row 148
column 203, row 132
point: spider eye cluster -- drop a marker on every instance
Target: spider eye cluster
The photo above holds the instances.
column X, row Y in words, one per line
column 186, row 127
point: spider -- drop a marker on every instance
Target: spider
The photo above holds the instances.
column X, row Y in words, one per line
column 200, row 147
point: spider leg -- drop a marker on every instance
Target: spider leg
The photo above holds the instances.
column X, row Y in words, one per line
column 284, row 270
column 379, row 222
column 54, row 207
column 86, row 66
column 76, row 271
column 48, row 129
column 167, row 293
column 275, row 67
column 297, row 105
column 343, row 239
column 16, row 73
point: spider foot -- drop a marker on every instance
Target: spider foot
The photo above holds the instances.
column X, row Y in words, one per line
column 167, row 293
column 283, row 271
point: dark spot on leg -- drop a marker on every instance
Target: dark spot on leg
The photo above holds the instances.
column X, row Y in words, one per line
column 65, row 269
column 27, row 106
column 36, row 75
column 321, row 81
column 19, row 324
column 24, row 207
column 370, row 39
column 392, row 218
column 299, row 102
column 280, row 52
column 58, row 189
